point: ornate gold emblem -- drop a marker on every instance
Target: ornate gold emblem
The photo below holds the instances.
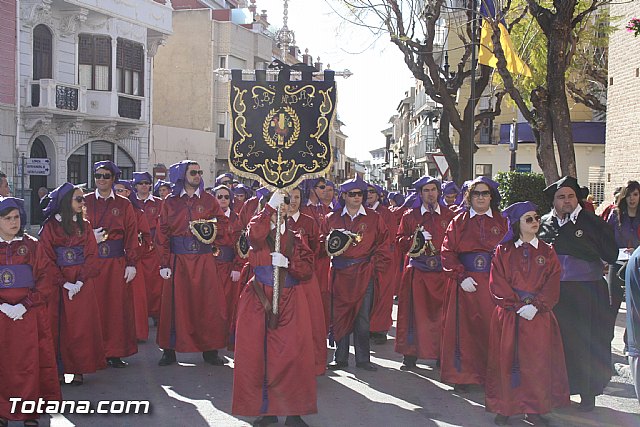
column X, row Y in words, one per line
column 495, row 230
column 115, row 212
column 479, row 262
column 281, row 127
column 104, row 249
column 69, row 255
column 23, row 250
column 540, row 260
column 7, row 278
column 205, row 230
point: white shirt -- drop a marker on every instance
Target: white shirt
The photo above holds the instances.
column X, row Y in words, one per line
column 110, row 196
column 197, row 192
column 361, row 211
column 149, row 197
column 533, row 242
column 227, row 213
column 573, row 216
column 375, row 205
column 436, row 210
column 12, row 240
column 295, row 216
column 473, row 213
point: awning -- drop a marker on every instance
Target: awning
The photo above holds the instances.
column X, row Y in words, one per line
column 583, row 133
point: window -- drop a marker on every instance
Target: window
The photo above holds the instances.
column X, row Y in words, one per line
column 222, row 62
column 42, row 53
column 221, row 130
column 484, row 170
column 130, row 67
column 94, row 62
column 79, row 168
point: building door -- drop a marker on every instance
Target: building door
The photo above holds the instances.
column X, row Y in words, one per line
column 38, row 151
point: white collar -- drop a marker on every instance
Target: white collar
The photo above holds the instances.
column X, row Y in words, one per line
column 423, row 209
column 110, row 196
column 361, row 211
column 282, row 227
column 59, row 218
column 473, row 213
column 149, row 197
column 15, row 239
column 197, row 192
column 375, row 205
column 310, row 203
column 43, row 197
column 573, row 216
column 227, row 213
column 533, row 242
column 295, row 216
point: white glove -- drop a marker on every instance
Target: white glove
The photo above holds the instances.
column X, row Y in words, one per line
column 468, row 284
column 129, row 273
column 73, row 288
column 17, row 311
column 235, row 276
column 165, row 273
column 276, row 199
column 279, row 260
column 427, row 235
column 6, row 308
column 99, row 234
column 528, row 311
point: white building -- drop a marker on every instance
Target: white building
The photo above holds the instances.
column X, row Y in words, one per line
column 85, row 85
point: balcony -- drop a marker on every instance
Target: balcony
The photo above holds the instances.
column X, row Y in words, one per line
column 57, row 97
column 115, row 106
column 130, row 107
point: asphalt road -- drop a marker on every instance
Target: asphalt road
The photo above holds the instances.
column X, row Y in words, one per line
column 193, row 393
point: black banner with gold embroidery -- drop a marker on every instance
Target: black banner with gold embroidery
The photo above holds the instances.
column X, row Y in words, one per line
column 281, row 128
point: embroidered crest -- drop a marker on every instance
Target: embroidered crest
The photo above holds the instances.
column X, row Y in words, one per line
column 69, row 255
column 243, row 245
column 362, row 227
column 153, row 210
column 205, row 230
column 432, row 263
column 103, row 250
column 540, row 260
column 200, row 209
column 444, row 224
column 495, row 230
column 115, row 212
column 418, row 243
column 193, row 245
column 339, row 241
column 479, row 262
column 579, row 233
column 78, row 232
column 7, row 278
column 23, row 250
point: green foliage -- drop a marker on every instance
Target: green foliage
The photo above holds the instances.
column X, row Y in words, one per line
column 522, row 187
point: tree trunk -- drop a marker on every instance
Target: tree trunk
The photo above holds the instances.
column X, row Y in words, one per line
column 445, row 145
column 543, row 132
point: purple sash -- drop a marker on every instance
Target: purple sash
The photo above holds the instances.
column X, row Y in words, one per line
column 69, row 255
column 340, row 263
column 578, row 270
column 264, row 275
column 426, row 264
column 226, row 254
column 16, row 276
column 111, row 249
column 525, row 297
column 181, row 245
column 476, row 262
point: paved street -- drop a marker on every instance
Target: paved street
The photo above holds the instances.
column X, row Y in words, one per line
column 196, row 394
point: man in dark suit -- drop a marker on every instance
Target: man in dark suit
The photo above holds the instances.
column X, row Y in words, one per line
column 43, row 196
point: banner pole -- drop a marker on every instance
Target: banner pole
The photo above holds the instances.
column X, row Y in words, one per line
column 276, row 269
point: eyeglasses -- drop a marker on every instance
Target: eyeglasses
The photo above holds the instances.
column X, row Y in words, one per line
column 144, row 183
column 102, row 175
column 530, row 219
column 223, row 196
column 79, row 199
column 196, row 172
column 485, row 193
column 225, row 182
column 321, row 186
column 121, row 190
column 372, row 191
column 354, row 193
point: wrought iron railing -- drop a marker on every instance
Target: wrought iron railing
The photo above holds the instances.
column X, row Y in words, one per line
column 129, row 108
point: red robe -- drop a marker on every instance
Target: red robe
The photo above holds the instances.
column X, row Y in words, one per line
column 249, row 209
column 75, row 324
column 288, row 359
column 349, row 285
column 478, row 234
column 543, row 376
column 28, row 363
column 383, row 294
column 115, row 296
column 307, row 227
column 421, row 295
column 193, row 301
column 150, row 260
column 140, row 307
column 401, row 257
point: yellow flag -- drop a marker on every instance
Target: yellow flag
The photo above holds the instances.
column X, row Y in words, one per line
column 514, row 63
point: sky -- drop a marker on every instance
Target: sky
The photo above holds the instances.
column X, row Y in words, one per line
column 368, row 98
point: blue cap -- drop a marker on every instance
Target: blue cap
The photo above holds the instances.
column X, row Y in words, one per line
column 55, row 198
column 108, row 165
column 177, row 172
column 138, row 177
column 158, row 184
column 15, row 203
column 513, row 213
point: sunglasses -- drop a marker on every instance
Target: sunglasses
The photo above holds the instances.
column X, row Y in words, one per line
column 196, row 172
column 121, row 190
column 223, row 196
column 354, row 193
column 79, row 199
column 531, row 219
column 144, row 183
column 102, row 175
column 372, row 191
column 225, row 182
column 321, row 186
column 485, row 193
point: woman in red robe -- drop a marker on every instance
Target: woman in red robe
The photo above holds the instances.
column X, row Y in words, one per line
column 28, row 363
column 466, row 254
column 526, row 373
column 274, row 366
column 68, row 242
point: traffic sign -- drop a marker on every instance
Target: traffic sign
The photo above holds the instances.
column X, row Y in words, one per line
column 441, row 164
column 37, row 166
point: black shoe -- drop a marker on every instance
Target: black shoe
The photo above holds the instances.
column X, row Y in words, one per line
column 536, row 420
column 438, row 363
column 501, row 420
column 116, row 362
column 211, row 357
column 461, row 388
column 408, row 363
column 265, row 420
column 367, row 366
column 168, row 358
column 296, row 421
column 335, row 365
column 77, row 380
column 378, row 338
column 587, row 403
column 31, row 423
